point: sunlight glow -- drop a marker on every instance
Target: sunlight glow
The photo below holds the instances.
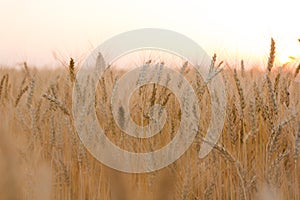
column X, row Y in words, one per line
column 289, row 53
column 32, row 30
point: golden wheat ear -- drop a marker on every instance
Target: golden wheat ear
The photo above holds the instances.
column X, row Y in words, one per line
column 72, row 73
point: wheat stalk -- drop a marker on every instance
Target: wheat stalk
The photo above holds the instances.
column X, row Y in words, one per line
column 21, row 93
column 274, row 137
column 242, row 68
column 2, row 84
column 182, row 70
column 57, row 102
column 272, row 96
column 297, row 71
column 213, row 73
column 7, row 87
column 228, row 156
column 26, row 69
column 276, row 84
column 242, row 103
column 72, row 70
column 297, row 143
column 271, row 56
column 31, row 91
column 212, row 64
column 240, row 91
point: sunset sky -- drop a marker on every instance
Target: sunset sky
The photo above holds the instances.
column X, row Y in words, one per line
column 35, row 30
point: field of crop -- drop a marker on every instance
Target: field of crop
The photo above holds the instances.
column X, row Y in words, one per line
column 256, row 157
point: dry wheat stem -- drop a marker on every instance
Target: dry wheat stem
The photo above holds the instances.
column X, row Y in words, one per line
column 297, row 143
column 297, row 71
column 21, row 93
column 57, row 102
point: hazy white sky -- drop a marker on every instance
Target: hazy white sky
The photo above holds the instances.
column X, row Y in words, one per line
column 31, row 30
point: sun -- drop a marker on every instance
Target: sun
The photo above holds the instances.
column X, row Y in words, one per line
column 285, row 58
column 288, row 53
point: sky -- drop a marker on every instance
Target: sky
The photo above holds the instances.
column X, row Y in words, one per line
column 44, row 32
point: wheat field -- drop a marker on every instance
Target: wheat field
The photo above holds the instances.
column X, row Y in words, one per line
column 256, row 157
